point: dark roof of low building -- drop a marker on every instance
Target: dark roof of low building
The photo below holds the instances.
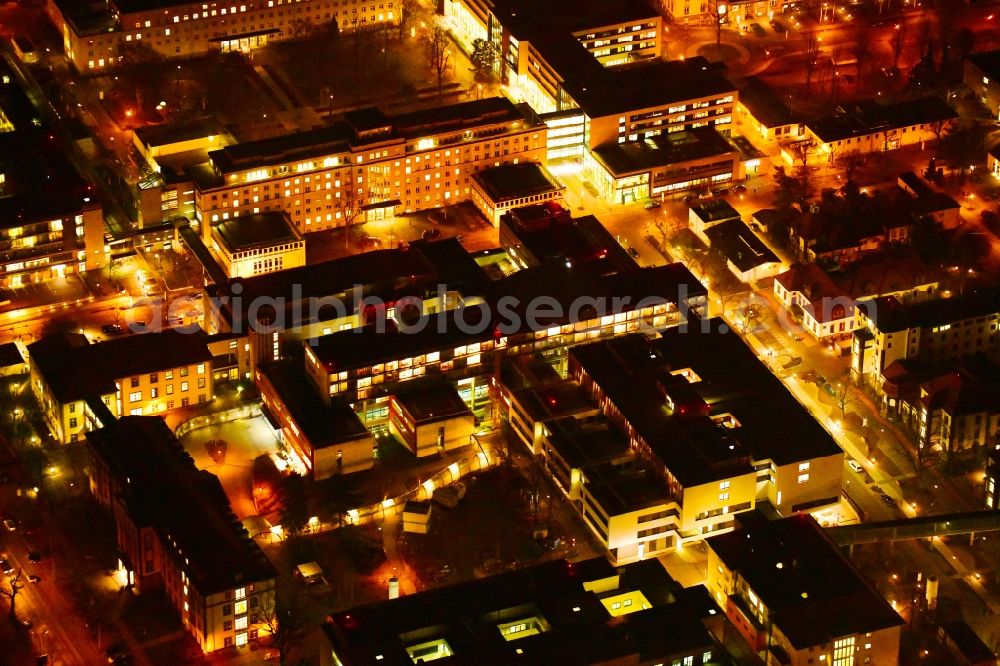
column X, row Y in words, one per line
column 563, row 238
column 816, row 595
column 576, row 626
column 166, row 134
column 739, row 245
column 968, row 642
column 161, row 487
column 565, row 286
column 868, row 116
column 74, row 369
column 714, row 210
column 255, row 231
column 663, row 150
column 387, row 274
column 322, row 424
column 430, row 400
column 634, row 373
column 514, row 181
column 765, row 105
column 988, row 63
column 10, row 355
column 890, row 315
column 917, row 185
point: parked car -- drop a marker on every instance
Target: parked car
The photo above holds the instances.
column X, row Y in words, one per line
column 431, row 234
column 778, row 26
column 739, row 189
column 34, row 557
column 650, row 205
column 33, row 578
column 855, row 465
column 6, row 568
column 634, row 253
column 706, row 195
column 721, row 191
column 757, row 30
column 888, row 501
column 111, row 329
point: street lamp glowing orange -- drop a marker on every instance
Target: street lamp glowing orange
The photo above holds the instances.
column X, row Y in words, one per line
column 128, row 113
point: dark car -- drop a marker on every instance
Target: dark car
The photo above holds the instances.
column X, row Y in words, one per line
column 634, row 253
column 739, row 189
column 888, row 501
column 111, row 329
column 431, row 234
column 651, row 205
column 33, row 578
column 34, row 557
column 721, row 192
column 778, row 26
column 5, row 567
column 757, row 30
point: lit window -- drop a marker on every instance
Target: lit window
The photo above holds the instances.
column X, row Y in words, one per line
column 804, row 467
column 724, row 485
column 723, row 497
column 240, row 607
column 240, row 593
column 803, row 478
column 241, row 623
column 241, row 638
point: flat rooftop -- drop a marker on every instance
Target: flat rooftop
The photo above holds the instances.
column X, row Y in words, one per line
column 35, row 164
column 562, row 238
column 256, row 231
column 663, row 150
column 891, row 316
column 868, row 116
column 323, row 425
column 764, row 104
column 588, row 441
column 639, row 376
column 198, row 128
column 430, row 401
column 162, row 488
column 514, row 181
column 563, row 285
column 739, row 245
column 10, row 355
column 389, row 273
column 571, row 624
column 816, row 595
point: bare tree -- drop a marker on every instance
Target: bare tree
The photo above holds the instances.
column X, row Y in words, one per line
column 843, row 395
column 284, row 622
column 437, row 52
column 749, row 318
column 15, row 585
column 812, row 58
column 851, row 162
column 719, row 13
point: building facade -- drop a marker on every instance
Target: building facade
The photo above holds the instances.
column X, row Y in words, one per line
column 191, row 547
column 370, row 165
column 92, row 36
column 886, row 330
column 795, row 599
column 80, row 386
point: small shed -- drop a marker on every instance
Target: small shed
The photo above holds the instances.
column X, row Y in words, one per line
column 416, row 517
